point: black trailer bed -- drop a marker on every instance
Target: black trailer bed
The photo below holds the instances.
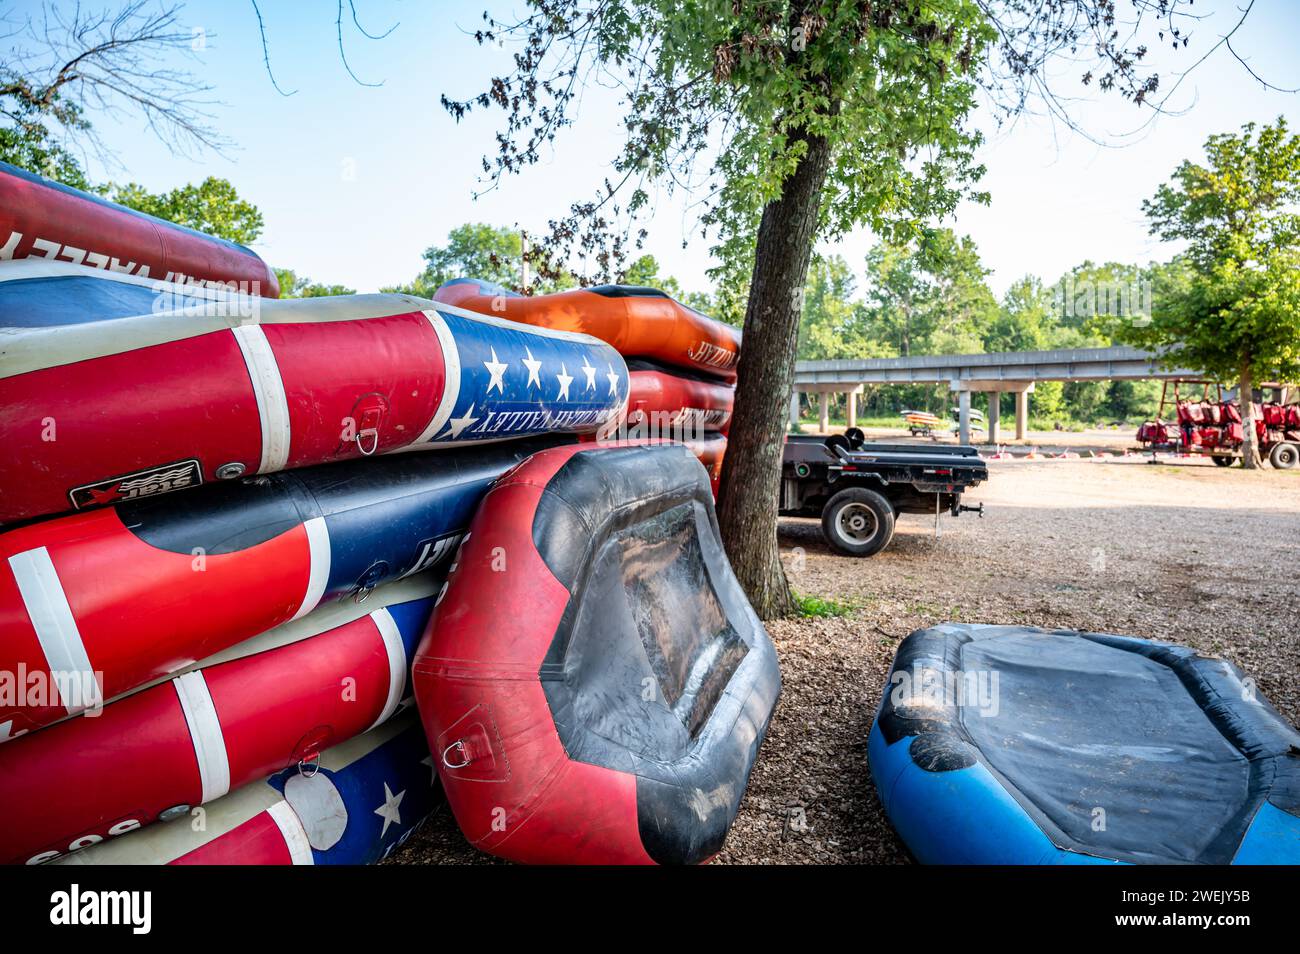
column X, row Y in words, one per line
column 889, row 478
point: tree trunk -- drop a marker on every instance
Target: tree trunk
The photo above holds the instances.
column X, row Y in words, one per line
column 751, row 470
column 1245, row 399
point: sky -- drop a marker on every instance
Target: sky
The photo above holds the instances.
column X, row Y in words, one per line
column 355, row 181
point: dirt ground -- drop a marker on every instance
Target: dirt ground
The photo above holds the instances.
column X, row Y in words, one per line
column 1183, row 551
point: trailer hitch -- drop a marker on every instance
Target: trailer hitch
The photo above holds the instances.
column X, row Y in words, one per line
column 959, row 508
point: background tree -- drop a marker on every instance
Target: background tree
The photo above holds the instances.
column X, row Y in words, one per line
column 26, row 142
column 478, row 250
column 65, row 62
column 1231, row 304
column 644, row 271
column 213, row 206
column 833, row 325
column 795, row 120
column 294, row 286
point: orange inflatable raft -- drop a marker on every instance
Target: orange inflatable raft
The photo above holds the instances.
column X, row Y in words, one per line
column 638, row 322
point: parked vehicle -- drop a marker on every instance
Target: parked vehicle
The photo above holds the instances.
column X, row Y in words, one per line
column 1212, row 427
column 859, row 488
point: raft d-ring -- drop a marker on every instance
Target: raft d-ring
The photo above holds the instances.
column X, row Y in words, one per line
column 374, row 446
column 308, row 768
column 363, row 594
column 458, row 744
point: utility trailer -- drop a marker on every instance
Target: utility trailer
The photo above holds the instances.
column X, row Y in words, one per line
column 858, row 488
column 1211, row 426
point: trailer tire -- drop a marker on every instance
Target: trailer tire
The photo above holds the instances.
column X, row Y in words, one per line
column 1223, row 460
column 858, row 522
column 1284, row 456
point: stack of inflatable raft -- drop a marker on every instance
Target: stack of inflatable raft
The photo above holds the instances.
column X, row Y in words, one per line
column 217, row 571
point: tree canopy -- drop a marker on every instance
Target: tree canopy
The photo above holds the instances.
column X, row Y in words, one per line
column 478, row 250
column 293, row 285
column 213, row 206
column 1230, row 303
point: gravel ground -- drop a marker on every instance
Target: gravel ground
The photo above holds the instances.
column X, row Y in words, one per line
column 1183, row 551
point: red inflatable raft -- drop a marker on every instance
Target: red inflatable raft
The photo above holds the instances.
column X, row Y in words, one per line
column 600, row 695
column 641, row 322
column 709, row 449
column 661, row 400
column 95, row 604
column 115, row 387
column 360, row 800
column 185, row 742
column 44, row 219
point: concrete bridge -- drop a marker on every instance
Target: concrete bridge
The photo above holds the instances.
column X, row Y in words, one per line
column 1014, row 371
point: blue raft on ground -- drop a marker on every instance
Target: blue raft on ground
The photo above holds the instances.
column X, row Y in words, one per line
column 1014, row 745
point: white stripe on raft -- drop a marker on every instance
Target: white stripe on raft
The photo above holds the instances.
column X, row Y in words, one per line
column 392, row 637
column 295, row 836
column 318, row 542
column 205, row 734
column 451, row 379
column 268, row 387
column 56, row 629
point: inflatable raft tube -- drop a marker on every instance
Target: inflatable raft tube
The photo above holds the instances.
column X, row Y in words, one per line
column 47, row 220
column 1013, row 745
column 661, row 401
column 709, row 449
column 114, row 388
column 95, row 604
column 363, row 799
column 617, row 721
column 638, row 322
column 159, row 752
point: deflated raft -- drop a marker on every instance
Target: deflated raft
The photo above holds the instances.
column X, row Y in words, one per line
column 363, row 799
column 594, row 685
column 47, row 220
column 280, row 701
column 1013, row 745
column 115, row 388
column 110, row 599
column 639, row 322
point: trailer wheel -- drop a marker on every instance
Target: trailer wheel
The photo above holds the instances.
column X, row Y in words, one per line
column 1284, row 456
column 858, row 522
column 1222, row 460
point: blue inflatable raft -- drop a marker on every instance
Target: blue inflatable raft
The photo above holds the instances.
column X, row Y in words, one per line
column 1014, row 745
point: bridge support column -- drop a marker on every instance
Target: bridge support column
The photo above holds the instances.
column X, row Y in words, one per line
column 852, row 398
column 794, row 412
column 825, row 419
column 963, row 416
column 994, row 415
column 1022, row 414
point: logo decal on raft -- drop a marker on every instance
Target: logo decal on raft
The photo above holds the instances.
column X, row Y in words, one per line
column 712, row 355
column 142, row 483
column 15, row 248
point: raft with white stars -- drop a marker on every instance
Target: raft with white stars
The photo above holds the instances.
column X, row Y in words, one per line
column 117, row 387
column 282, row 699
column 362, row 800
column 640, row 322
